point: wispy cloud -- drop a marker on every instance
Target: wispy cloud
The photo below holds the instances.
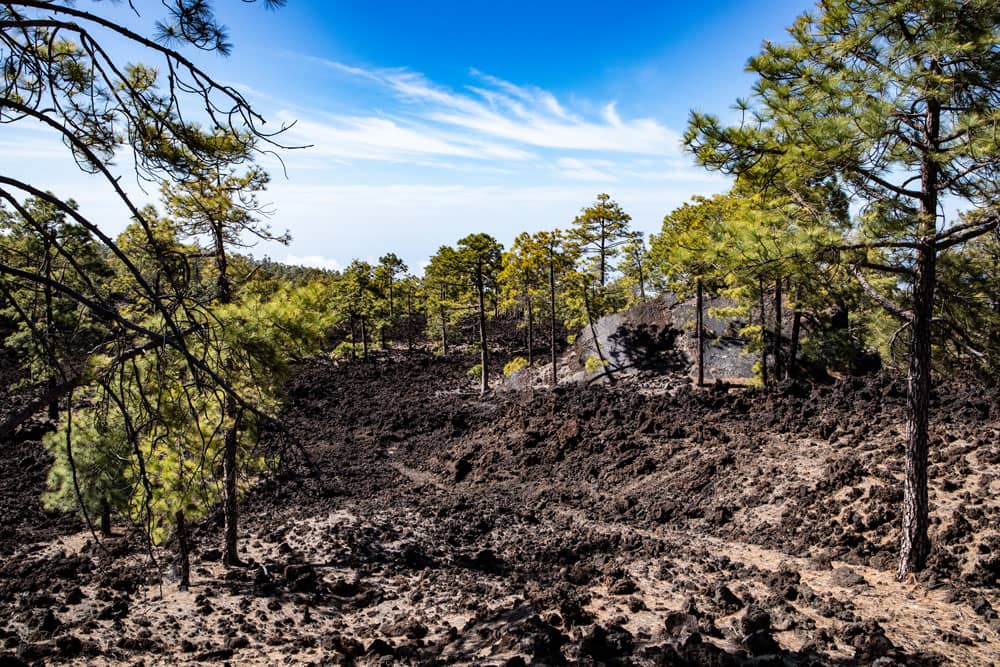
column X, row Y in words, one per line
column 488, row 120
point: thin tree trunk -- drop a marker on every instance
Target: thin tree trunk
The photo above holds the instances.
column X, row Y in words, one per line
column 105, row 517
column 409, row 321
column 230, row 505
column 230, row 439
column 364, row 339
column 763, row 334
column 915, row 544
column 593, row 335
column 700, row 333
column 603, row 256
column 779, row 363
column 531, row 337
column 183, row 558
column 484, row 353
column 552, row 319
column 642, row 279
column 444, row 326
column 354, row 339
column 793, row 349
column 50, row 326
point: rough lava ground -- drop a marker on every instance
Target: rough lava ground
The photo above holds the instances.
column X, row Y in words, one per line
column 417, row 523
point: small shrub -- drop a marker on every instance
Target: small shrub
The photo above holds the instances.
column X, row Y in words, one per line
column 594, row 365
column 475, row 372
column 515, row 364
column 342, row 351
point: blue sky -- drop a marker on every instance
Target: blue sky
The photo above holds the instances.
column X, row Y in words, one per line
column 429, row 121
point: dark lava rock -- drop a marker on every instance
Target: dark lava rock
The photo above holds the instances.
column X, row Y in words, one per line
column 484, row 560
column 623, row 586
column 541, row 641
column 756, row 627
column 463, row 467
column 869, row 641
column 845, row 577
column 347, row 646
column 679, row 624
column 301, row 578
column 74, row 596
column 236, row 643
column 761, row 643
column 756, row 619
column 409, row 628
column 211, row 555
column 785, row 583
column 982, row 606
column 217, row 654
column 606, row 643
column 381, row 647
column 569, row 433
column 35, row 652
column 728, row 601
column 69, row 646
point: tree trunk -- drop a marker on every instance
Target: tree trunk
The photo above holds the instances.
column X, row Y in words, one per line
column 763, row 334
column 183, row 557
column 409, row 321
column 793, row 348
column 105, row 517
column 700, row 333
column 484, row 353
column 552, row 319
column 642, row 280
column 603, row 256
column 50, row 329
column 364, row 339
column 444, row 327
column 230, row 439
column 779, row 363
column 354, row 339
column 593, row 335
column 230, row 506
column 531, row 336
column 915, row 544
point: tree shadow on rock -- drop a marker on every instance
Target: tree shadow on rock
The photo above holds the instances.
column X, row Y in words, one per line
column 647, row 348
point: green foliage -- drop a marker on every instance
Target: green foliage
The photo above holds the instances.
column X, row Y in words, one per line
column 52, row 331
column 514, row 365
column 345, row 350
column 594, row 365
column 599, row 232
column 899, row 103
column 475, row 372
column 101, row 457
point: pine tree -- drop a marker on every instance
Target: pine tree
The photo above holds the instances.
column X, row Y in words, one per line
column 900, row 101
column 600, row 231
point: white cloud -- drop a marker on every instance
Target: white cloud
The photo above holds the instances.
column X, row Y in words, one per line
column 313, row 261
column 492, row 120
column 387, row 139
